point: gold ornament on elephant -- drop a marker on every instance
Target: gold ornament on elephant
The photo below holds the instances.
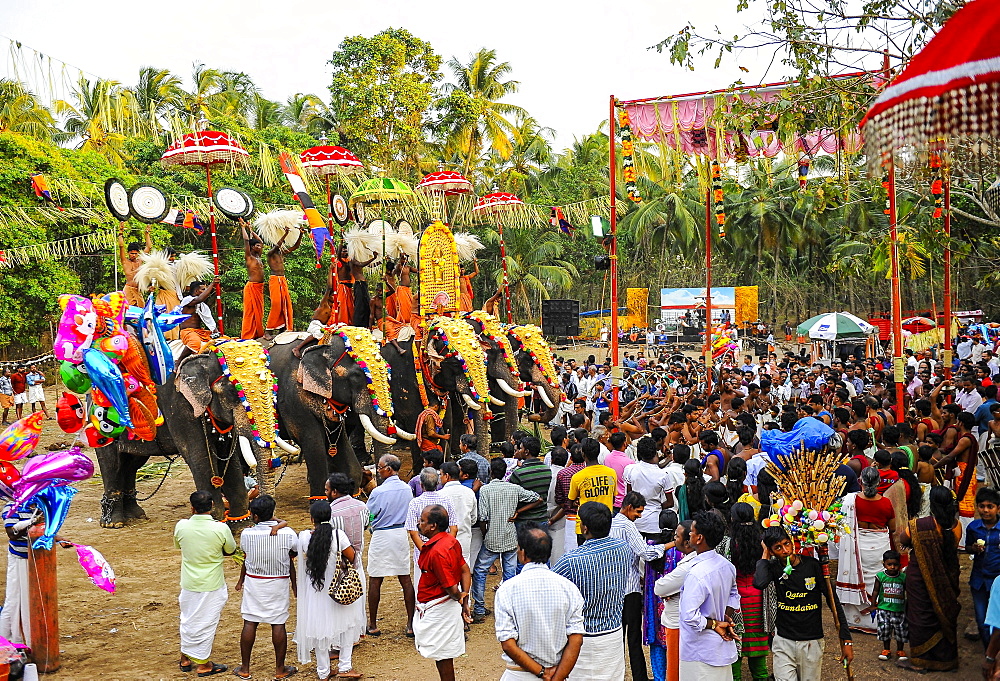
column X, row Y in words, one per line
column 362, row 348
column 534, row 343
column 462, row 343
column 247, row 366
column 496, row 331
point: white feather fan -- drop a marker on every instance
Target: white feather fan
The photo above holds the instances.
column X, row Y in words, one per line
column 271, row 226
column 357, row 239
column 155, row 267
column 190, row 267
column 467, row 245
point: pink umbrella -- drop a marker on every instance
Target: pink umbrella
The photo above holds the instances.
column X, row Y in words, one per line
column 206, row 148
column 499, row 204
column 326, row 160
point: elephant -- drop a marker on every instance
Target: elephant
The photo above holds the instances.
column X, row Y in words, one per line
column 324, row 401
column 544, row 383
column 204, row 421
column 449, row 384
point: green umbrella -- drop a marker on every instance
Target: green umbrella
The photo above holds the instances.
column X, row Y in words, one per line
column 384, row 190
column 835, row 325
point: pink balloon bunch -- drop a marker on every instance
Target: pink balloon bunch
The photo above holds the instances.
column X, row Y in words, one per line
column 55, row 469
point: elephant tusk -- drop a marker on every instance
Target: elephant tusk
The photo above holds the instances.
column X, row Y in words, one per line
column 495, row 402
column 404, row 434
column 247, row 452
column 370, row 428
column 505, row 386
column 470, row 403
column 289, row 448
column 544, row 397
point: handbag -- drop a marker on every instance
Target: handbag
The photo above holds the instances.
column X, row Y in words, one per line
column 345, row 587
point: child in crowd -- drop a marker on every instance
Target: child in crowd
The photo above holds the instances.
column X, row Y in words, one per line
column 983, row 542
column 890, row 606
column 887, row 476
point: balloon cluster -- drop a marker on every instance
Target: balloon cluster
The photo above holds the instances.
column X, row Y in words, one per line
column 44, row 480
column 106, row 361
column 807, row 526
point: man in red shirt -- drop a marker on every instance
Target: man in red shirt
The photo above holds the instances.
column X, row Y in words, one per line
column 19, row 382
column 442, row 594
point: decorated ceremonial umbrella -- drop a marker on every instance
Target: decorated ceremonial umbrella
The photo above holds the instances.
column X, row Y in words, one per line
column 501, row 204
column 946, row 101
column 325, row 160
column 834, row 326
column 918, row 324
column 206, row 148
column 443, row 183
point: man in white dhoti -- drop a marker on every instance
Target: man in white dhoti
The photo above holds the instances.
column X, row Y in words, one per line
column 14, row 620
column 264, row 579
column 204, row 544
column 463, row 499
column 442, row 593
column 389, row 549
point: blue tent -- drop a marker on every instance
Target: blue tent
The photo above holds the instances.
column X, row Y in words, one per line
column 811, row 431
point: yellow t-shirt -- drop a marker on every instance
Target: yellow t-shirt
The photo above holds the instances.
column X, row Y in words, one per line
column 593, row 483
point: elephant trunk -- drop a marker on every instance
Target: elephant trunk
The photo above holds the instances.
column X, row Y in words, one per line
column 548, row 395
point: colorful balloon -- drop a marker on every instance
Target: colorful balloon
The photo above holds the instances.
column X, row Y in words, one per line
column 94, row 438
column 114, row 346
column 21, row 437
column 69, row 413
column 8, row 476
column 52, row 469
column 74, row 378
column 134, row 361
column 54, row 502
column 106, row 420
column 96, row 567
column 107, row 377
column 142, row 407
column 77, row 328
column 159, row 354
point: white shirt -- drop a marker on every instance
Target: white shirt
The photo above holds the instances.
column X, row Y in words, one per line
column 676, row 473
column 653, row 483
column 550, row 500
column 463, row 500
column 964, row 349
column 969, row 400
column 669, row 586
column 755, row 465
column 624, row 529
column 977, row 353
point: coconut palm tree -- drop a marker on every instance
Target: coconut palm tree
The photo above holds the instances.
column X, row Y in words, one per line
column 21, row 113
column 474, row 115
column 100, row 119
column 157, row 96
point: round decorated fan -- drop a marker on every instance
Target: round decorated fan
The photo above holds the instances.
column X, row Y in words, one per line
column 338, row 206
column 116, row 198
column 148, row 203
column 404, row 227
column 233, row 203
column 360, row 213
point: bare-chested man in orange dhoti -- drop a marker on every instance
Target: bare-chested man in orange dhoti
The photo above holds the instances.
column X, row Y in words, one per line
column 279, row 318
column 253, row 291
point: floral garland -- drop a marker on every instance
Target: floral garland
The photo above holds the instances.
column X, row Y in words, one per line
column 628, row 157
column 269, row 421
column 362, row 348
column 937, row 184
column 717, row 197
column 496, row 331
column 460, row 342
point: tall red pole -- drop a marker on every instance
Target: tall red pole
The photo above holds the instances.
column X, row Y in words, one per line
column 708, row 288
column 614, row 259
column 946, row 355
column 43, row 603
column 897, row 315
column 215, row 245
column 506, row 279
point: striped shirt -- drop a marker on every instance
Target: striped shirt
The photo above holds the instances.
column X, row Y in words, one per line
column 426, row 499
column 498, row 501
column 534, row 476
column 350, row 515
column 268, row 556
column 481, row 463
column 18, row 547
column 600, row 570
column 624, row 529
column 561, row 493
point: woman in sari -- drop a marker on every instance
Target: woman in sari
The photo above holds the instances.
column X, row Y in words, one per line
column 756, row 607
column 871, row 520
column 932, row 588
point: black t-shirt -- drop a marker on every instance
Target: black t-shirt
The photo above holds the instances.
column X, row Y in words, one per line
column 800, row 598
column 850, row 478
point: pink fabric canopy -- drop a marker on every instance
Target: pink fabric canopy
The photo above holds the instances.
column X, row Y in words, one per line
column 685, row 124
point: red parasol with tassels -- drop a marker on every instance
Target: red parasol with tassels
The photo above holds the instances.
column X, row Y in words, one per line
column 206, row 148
column 325, row 161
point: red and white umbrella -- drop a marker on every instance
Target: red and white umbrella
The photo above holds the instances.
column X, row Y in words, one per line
column 499, row 204
column 326, row 160
column 950, row 88
column 447, row 182
column 918, row 324
column 206, row 148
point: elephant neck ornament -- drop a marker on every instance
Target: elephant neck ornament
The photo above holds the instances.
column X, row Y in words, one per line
column 247, row 366
column 461, row 342
column 362, row 348
column 533, row 342
column 495, row 331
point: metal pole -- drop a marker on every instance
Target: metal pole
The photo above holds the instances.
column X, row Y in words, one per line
column 615, row 406
column 215, row 245
column 946, row 354
column 897, row 318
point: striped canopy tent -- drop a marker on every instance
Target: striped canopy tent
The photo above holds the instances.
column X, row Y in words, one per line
column 835, row 326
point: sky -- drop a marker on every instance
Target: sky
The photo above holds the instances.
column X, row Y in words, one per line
column 568, row 56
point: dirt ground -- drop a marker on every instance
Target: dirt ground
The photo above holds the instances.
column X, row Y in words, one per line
column 132, row 635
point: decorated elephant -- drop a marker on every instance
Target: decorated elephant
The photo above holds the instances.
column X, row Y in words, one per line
column 446, row 369
column 534, row 361
column 330, row 398
column 218, row 413
column 503, row 372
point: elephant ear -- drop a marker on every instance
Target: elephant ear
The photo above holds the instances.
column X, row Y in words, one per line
column 315, row 371
column 193, row 380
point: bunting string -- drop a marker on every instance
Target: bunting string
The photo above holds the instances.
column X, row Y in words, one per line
column 63, row 248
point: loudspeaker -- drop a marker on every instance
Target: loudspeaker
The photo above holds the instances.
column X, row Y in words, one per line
column 602, row 262
column 561, row 317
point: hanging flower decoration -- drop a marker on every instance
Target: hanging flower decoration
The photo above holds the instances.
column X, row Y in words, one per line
column 253, row 363
column 628, row 157
column 937, row 183
column 718, row 198
column 803, row 169
column 363, row 349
